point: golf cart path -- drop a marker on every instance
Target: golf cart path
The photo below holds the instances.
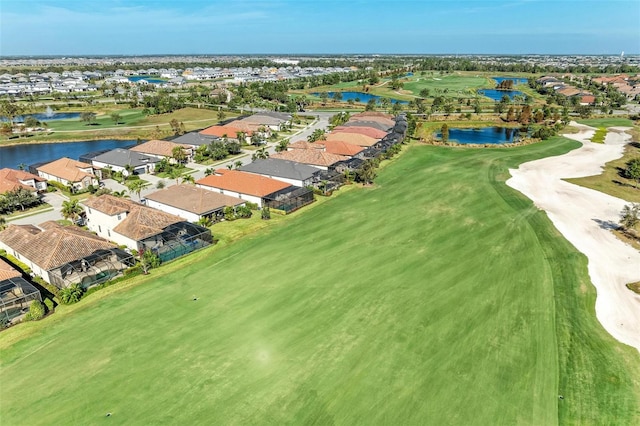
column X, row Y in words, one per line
column 585, row 217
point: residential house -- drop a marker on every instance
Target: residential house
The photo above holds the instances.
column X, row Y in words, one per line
column 16, row 294
column 291, row 172
column 192, row 203
column 120, row 159
column 70, row 173
column 162, row 149
column 11, row 179
column 141, row 228
column 370, row 131
column 313, row 157
column 341, row 148
column 194, row 139
column 353, row 138
column 226, row 131
column 382, row 125
column 246, row 186
column 64, row 255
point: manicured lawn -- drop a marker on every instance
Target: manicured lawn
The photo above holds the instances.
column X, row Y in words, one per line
column 612, row 181
column 607, row 122
column 438, row 296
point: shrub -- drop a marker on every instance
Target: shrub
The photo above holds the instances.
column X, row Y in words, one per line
column 243, row 212
column 36, row 311
column 71, row 294
column 229, row 213
column 266, row 213
column 252, row 206
column 49, row 304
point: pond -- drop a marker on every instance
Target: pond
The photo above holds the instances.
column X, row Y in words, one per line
column 516, row 80
column 14, row 155
column 361, row 97
column 46, row 116
column 484, row 135
column 497, row 95
column 147, row 78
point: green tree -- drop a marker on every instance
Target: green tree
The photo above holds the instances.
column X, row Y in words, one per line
column 337, row 96
column 283, row 145
column 371, row 105
column 88, row 117
column 71, row 210
column 260, row 154
column 632, row 171
column 136, row 186
column 10, row 109
column 178, row 153
column 367, row 172
column 221, row 115
column 266, row 213
column 148, row 260
column 115, row 117
column 71, row 294
column 317, row 135
column 3, row 223
column 630, row 216
column 444, row 130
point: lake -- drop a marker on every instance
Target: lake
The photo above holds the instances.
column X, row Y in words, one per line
column 46, row 116
column 497, row 95
column 361, row 97
column 484, row 135
column 147, row 78
column 12, row 156
column 515, row 80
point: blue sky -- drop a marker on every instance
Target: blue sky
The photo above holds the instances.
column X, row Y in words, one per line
column 83, row 27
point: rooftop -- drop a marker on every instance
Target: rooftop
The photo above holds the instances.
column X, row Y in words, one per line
column 193, row 199
column 280, row 168
column 67, row 169
column 243, row 183
column 52, row 245
column 10, row 180
column 158, row 147
column 314, row 157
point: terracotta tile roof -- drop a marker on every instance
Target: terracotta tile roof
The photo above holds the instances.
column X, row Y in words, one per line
column 374, row 116
column 10, row 180
column 367, row 131
column 314, row 157
column 158, row 147
column 221, row 131
column 352, row 138
column 54, row 245
column 7, row 271
column 341, row 148
column 110, row 205
column 243, row 126
column 305, row 145
column 569, row 91
column 67, row 169
column 141, row 221
column 242, row 182
column 193, row 199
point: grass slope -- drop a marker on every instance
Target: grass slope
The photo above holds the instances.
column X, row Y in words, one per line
column 439, row 296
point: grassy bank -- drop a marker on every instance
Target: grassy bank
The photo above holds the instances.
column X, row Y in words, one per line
column 437, row 296
column 612, row 180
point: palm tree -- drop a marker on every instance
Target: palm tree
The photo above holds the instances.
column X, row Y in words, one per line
column 237, row 164
column 261, row 154
column 137, row 186
column 189, row 179
column 71, row 210
column 174, row 174
column 283, row 145
column 630, row 216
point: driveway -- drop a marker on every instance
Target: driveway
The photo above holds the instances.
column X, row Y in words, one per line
column 55, row 199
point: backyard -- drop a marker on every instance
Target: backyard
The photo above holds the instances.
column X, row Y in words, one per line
column 436, row 296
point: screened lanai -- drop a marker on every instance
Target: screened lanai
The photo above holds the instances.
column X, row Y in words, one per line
column 96, row 268
column 177, row 240
column 16, row 295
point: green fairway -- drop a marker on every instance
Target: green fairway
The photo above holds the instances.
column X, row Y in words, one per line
column 607, row 122
column 438, row 296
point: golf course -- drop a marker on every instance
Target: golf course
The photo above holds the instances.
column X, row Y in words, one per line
column 436, row 296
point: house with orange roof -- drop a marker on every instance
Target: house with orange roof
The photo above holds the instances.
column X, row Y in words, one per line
column 227, row 131
column 141, row 227
column 341, row 148
column 65, row 255
column 11, row 179
column 304, row 145
column 162, row 149
column 362, row 130
column 313, row 157
column 353, row 138
column 70, row 173
column 246, row 186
